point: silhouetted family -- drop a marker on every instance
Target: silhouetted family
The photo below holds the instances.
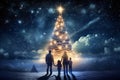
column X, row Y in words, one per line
column 65, row 62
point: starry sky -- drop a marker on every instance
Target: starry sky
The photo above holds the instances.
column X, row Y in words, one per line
column 26, row 25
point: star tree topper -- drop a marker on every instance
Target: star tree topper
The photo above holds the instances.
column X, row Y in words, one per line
column 60, row 9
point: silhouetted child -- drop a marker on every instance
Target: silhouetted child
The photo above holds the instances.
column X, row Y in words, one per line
column 59, row 65
column 70, row 65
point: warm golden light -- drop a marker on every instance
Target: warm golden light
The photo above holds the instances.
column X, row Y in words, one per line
column 56, row 23
column 54, row 42
column 66, row 37
column 57, row 26
column 62, row 24
column 66, row 46
column 59, row 47
column 60, row 36
column 60, row 17
column 58, row 20
column 51, row 43
column 53, row 50
column 60, row 9
column 56, row 33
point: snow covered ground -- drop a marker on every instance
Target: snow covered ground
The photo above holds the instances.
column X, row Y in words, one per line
column 77, row 75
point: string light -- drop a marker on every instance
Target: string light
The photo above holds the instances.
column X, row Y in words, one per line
column 60, row 47
column 57, row 26
column 54, row 42
column 56, row 23
column 60, row 17
column 58, row 20
column 51, row 43
column 66, row 46
column 66, row 37
column 62, row 24
column 60, row 36
column 66, row 32
column 69, row 42
column 63, row 41
column 53, row 50
column 56, row 33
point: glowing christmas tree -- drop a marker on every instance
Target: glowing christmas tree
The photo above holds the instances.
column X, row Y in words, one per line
column 60, row 41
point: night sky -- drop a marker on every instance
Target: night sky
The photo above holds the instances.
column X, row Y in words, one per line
column 26, row 26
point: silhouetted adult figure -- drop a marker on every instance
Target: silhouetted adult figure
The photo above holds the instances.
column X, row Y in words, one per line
column 64, row 61
column 49, row 62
